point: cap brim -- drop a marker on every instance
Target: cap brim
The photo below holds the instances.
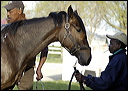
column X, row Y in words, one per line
column 8, row 7
column 110, row 36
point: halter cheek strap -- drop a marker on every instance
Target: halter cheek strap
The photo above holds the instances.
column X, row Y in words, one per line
column 76, row 47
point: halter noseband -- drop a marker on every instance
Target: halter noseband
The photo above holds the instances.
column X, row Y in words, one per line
column 76, row 47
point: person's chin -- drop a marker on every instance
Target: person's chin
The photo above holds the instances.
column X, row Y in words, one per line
column 9, row 21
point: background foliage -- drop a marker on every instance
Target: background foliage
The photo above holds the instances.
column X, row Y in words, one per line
column 108, row 15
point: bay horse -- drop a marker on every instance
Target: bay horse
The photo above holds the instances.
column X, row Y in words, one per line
column 24, row 39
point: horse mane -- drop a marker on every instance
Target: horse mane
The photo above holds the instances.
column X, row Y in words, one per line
column 12, row 27
column 57, row 17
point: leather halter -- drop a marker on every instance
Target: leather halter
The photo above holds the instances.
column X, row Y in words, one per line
column 76, row 47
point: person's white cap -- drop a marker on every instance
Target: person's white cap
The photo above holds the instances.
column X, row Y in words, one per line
column 120, row 36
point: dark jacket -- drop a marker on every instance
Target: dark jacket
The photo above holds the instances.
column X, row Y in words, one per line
column 114, row 77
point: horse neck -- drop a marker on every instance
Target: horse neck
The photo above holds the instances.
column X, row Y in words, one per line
column 35, row 39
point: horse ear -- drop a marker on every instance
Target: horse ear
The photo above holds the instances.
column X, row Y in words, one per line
column 76, row 12
column 70, row 11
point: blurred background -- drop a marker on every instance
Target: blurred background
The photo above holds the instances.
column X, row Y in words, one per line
column 99, row 17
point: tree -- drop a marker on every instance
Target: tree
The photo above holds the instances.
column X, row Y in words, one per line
column 3, row 11
column 95, row 14
column 116, row 15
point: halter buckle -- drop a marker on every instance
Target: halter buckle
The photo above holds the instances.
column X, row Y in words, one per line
column 67, row 25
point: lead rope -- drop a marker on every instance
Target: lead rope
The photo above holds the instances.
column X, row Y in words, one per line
column 81, row 84
column 39, row 83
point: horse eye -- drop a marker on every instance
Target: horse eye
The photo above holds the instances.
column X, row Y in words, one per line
column 78, row 30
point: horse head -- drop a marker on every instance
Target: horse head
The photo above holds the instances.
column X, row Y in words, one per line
column 74, row 39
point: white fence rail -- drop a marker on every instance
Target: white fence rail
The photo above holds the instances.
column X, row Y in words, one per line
column 54, row 50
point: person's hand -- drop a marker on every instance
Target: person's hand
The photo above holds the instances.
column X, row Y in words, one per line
column 39, row 75
column 79, row 77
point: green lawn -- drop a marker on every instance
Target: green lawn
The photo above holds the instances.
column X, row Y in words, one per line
column 57, row 85
column 51, row 58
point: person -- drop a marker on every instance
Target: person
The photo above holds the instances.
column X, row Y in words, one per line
column 114, row 77
column 15, row 12
column 3, row 21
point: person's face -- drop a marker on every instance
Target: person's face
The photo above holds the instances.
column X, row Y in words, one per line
column 13, row 15
column 114, row 46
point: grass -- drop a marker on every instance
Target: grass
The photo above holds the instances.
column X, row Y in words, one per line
column 54, row 58
column 56, row 85
column 51, row 58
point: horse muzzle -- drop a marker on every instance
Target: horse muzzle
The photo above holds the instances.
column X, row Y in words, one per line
column 84, row 57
